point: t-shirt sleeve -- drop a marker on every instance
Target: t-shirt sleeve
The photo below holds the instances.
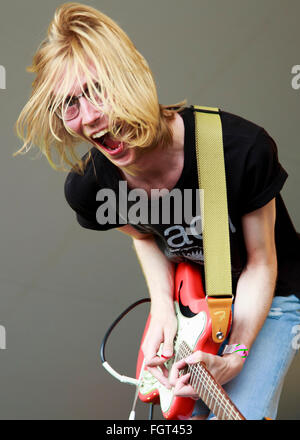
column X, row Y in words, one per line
column 84, row 204
column 263, row 176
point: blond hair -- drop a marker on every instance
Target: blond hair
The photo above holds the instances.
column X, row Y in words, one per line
column 79, row 37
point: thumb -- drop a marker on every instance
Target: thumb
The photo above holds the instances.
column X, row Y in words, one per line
column 167, row 349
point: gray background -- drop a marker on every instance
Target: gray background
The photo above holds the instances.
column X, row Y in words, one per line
column 61, row 285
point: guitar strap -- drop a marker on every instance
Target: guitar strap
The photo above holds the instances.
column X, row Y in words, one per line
column 214, row 218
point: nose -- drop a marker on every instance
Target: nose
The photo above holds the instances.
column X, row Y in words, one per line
column 89, row 113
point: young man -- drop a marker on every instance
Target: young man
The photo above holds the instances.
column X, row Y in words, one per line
column 93, row 85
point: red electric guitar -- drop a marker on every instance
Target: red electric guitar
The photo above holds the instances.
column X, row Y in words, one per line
column 194, row 333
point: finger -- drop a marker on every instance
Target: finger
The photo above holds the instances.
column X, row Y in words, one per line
column 174, row 375
column 186, row 392
column 150, row 352
column 165, row 371
column 175, row 371
column 184, row 379
column 159, row 376
column 184, row 389
column 195, row 357
column 156, row 361
column 183, row 386
column 168, row 344
column 166, row 358
column 209, row 360
column 180, row 364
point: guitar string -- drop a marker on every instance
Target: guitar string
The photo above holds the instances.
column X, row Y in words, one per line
column 207, row 378
column 210, row 392
column 227, row 409
column 222, row 402
column 219, row 405
column 211, row 388
column 209, row 385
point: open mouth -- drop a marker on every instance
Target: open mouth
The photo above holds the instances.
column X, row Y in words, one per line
column 107, row 143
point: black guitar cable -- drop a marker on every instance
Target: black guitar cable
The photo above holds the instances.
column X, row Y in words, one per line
column 105, row 364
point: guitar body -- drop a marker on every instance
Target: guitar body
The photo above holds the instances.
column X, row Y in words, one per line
column 194, row 327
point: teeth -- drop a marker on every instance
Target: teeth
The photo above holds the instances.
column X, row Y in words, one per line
column 100, row 133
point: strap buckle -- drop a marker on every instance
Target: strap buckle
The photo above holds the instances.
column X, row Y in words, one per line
column 220, row 312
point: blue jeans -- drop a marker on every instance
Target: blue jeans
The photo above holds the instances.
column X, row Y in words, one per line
column 257, row 388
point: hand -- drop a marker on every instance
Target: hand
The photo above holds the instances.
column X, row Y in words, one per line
column 162, row 330
column 223, row 368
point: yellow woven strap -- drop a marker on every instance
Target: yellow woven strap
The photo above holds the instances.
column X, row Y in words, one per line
column 216, row 244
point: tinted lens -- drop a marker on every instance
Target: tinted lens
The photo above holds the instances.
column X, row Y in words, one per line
column 68, row 111
column 96, row 97
column 71, row 111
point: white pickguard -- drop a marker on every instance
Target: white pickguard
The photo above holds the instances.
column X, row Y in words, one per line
column 189, row 330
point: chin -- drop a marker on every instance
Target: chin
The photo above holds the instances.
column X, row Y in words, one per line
column 125, row 161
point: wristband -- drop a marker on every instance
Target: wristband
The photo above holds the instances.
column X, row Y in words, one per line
column 240, row 349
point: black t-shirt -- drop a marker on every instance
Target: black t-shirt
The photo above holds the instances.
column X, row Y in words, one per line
column 254, row 176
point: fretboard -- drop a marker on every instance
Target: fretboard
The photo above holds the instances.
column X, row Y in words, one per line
column 209, row 390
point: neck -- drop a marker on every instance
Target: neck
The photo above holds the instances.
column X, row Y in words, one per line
column 209, row 390
column 154, row 165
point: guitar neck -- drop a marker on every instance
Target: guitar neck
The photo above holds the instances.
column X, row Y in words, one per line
column 210, row 391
